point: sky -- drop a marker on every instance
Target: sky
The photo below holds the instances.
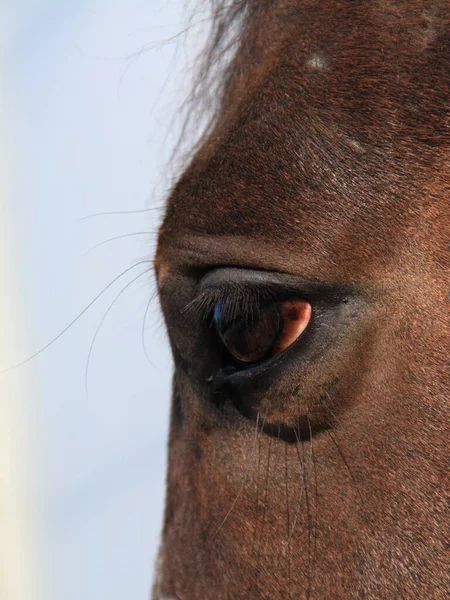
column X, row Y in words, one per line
column 90, row 93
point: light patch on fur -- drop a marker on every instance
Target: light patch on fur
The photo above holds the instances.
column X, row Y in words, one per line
column 356, row 146
column 428, row 32
column 317, row 62
column 162, row 274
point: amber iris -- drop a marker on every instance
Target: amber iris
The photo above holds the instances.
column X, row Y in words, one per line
column 264, row 332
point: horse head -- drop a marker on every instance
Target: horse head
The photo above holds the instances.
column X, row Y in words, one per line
column 302, row 267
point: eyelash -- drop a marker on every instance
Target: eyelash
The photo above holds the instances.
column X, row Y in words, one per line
column 237, row 301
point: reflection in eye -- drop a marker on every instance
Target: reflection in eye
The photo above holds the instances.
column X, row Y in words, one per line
column 264, row 332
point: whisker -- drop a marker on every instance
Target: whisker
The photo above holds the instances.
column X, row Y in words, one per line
column 86, row 371
column 118, row 237
column 338, row 448
column 297, row 512
column 316, row 500
column 299, row 447
column 242, row 484
column 61, row 333
column 303, row 482
column 266, row 491
column 345, row 462
column 257, row 486
column 275, row 461
column 288, row 516
column 144, row 320
column 118, row 212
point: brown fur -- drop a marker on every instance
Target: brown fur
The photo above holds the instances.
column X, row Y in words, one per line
column 329, row 164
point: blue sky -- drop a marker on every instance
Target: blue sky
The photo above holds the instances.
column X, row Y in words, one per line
column 90, row 95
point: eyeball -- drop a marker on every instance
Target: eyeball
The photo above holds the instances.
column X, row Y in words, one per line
column 265, row 331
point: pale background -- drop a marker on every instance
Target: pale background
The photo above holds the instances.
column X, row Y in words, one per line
column 88, row 93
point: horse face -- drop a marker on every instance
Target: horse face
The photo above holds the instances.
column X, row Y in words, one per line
column 303, row 276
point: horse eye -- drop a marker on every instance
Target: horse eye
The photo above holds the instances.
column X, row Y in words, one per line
column 264, row 332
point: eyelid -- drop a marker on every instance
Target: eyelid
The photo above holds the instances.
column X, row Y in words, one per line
column 241, row 289
column 229, row 279
column 251, row 286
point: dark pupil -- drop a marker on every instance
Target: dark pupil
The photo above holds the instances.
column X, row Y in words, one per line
column 249, row 337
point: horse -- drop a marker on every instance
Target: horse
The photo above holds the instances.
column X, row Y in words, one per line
column 302, row 268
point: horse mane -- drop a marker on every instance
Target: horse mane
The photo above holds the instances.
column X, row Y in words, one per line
column 215, row 67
